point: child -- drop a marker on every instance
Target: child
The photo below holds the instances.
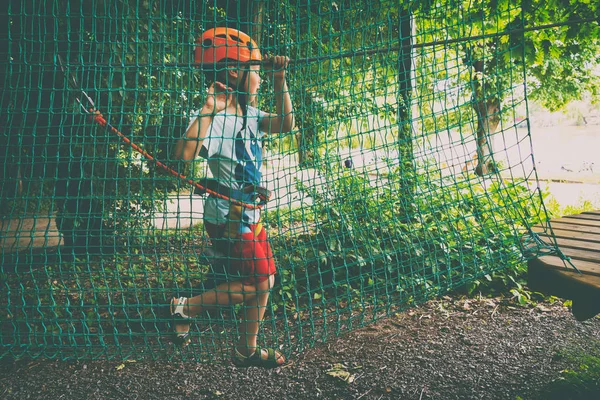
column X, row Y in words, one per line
column 227, row 132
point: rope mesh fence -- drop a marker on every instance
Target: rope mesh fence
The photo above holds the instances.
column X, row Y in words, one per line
column 409, row 172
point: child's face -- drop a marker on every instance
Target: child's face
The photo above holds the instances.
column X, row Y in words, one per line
column 253, row 80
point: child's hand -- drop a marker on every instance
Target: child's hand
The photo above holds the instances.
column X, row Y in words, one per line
column 275, row 67
column 218, row 98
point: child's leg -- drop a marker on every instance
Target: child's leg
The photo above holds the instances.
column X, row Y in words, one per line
column 227, row 293
column 257, row 258
column 253, row 313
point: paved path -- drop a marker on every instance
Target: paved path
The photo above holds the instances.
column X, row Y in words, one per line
column 19, row 234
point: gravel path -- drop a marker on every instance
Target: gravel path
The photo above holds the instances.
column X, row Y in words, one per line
column 444, row 349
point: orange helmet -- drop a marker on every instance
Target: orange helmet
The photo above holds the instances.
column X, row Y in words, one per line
column 218, row 44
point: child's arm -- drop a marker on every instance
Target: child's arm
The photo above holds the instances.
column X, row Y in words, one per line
column 188, row 147
column 283, row 119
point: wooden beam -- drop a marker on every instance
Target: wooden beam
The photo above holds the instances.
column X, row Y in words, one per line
column 590, row 217
column 575, row 221
column 584, row 236
column 583, row 255
column 578, row 237
column 575, row 243
column 558, row 224
column 586, row 267
column 583, row 289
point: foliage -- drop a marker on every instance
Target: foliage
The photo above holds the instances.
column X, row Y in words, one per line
column 579, row 382
column 563, row 61
column 362, row 240
column 560, row 62
column 555, row 210
column 329, row 95
column 88, row 173
column 152, row 104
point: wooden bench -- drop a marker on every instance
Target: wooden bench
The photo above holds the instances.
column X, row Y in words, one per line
column 578, row 237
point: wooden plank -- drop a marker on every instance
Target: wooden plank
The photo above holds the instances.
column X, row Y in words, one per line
column 560, row 233
column 587, row 281
column 591, row 256
column 575, row 221
column 577, row 244
column 558, row 224
column 595, row 212
column 585, row 267
column 590, row 217
column 583, row 236
column 577, row 250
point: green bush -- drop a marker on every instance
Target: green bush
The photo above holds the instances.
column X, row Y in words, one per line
column 365, row 239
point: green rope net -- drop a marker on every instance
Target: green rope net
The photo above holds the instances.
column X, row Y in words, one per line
column 409, row 171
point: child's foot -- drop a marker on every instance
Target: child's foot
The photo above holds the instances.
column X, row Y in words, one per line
column 180, row 321
column 266, row 358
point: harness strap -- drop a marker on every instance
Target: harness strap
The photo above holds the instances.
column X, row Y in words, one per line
column 214, row 185
column 234, row 219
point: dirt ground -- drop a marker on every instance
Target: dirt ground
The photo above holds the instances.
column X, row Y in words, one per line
column 443, row 349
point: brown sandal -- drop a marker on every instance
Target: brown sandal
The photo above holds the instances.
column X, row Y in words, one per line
column 256, row 359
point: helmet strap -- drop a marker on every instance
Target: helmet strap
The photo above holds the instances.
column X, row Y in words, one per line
column 243, row 99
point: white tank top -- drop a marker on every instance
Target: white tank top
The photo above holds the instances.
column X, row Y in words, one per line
column 234, row 158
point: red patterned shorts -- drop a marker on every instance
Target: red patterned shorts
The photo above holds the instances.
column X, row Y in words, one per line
column 250, row 255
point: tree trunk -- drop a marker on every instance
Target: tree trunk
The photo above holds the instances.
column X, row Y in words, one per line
column 487, row 109
column 305, row 150
column 405, row 88
column 257, row 12
column 309, row 123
